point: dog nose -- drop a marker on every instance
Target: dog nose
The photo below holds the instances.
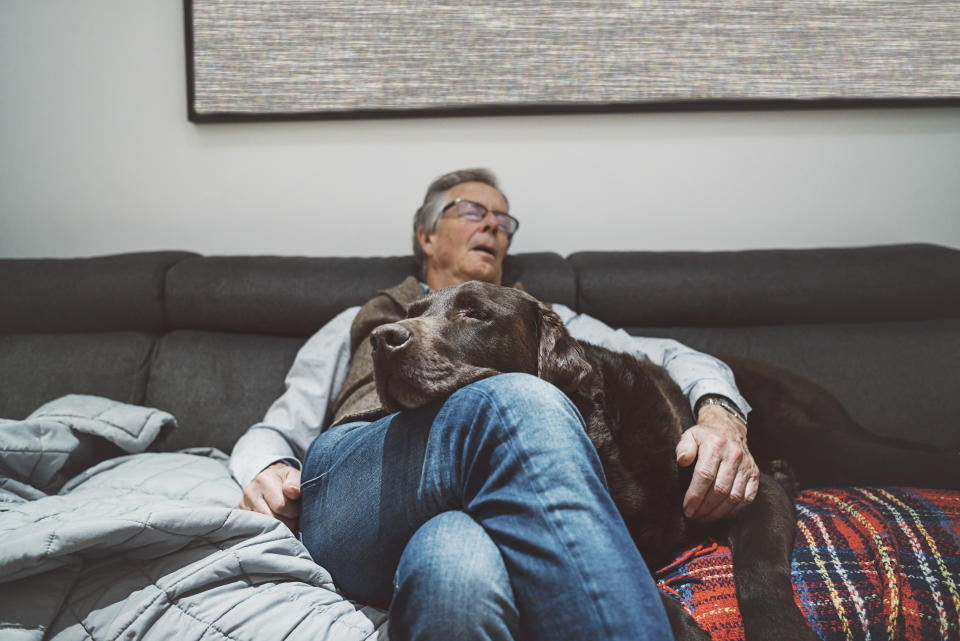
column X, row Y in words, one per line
column 390, row 338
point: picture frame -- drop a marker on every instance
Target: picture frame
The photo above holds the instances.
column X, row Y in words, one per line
column 253, row 60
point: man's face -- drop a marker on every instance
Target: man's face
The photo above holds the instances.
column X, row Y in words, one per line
column 461, row 249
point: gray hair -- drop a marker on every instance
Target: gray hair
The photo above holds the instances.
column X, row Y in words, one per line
column 428, row 216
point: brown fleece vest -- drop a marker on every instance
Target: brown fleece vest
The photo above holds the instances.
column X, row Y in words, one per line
column 358, row 400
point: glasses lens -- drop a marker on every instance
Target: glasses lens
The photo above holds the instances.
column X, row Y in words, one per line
column 507, row 223
column 477, row 212
column 471, row 210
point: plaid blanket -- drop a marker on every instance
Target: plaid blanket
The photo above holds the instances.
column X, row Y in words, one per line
column 868, row 563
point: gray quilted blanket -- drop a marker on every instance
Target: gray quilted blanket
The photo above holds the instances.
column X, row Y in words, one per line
column 147, row 546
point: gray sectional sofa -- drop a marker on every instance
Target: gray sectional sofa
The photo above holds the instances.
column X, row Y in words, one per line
column 209, row 339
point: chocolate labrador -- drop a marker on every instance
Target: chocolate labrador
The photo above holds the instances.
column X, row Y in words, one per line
column 634, row 414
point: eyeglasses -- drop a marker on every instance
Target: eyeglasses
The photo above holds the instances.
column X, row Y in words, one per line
column 477, row 212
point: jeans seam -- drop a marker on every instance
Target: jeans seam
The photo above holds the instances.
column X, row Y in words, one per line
column 556, row 527
column 310, row 482
column 328, row 467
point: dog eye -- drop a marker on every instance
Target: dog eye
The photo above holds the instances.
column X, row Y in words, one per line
column 474, row 313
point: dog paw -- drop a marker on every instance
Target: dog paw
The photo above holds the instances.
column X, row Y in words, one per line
column 782, row 473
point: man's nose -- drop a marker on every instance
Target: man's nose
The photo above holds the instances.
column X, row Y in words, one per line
column 490, row 222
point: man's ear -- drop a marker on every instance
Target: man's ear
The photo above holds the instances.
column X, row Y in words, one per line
column 426, row 241
column 560, row 359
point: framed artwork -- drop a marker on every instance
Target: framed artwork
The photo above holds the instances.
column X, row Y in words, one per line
column 282, row 59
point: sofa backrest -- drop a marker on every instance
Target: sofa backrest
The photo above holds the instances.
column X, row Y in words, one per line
column 879, row 327
column 85, row 326
column 210, row 339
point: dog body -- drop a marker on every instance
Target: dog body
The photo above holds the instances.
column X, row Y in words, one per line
column 634, row 414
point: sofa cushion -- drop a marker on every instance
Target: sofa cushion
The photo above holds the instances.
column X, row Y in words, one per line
column 37, row 368
column 122, row 292
column 216, row 384
column 895, row 379
column 769, row 287
column 545, row 275
column 295, row 296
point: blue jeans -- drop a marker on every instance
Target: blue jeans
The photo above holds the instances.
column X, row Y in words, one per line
column 510, row 453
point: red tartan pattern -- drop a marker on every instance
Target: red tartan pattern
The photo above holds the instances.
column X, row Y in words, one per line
column 868, row 563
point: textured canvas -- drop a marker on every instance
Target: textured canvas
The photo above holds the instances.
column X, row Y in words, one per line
column 335, row 57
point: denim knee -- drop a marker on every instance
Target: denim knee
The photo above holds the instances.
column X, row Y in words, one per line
column 518, row 384
column 525, row 402
column 451, row 583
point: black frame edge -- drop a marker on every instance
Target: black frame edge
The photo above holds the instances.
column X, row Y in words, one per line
column 556, row 109
column 716, row 105
column 192, row 115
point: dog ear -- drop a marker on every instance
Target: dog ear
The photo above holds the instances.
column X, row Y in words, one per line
column 560, row 358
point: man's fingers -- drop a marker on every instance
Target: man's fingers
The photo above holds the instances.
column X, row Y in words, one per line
column 743, row 493
column 725, row 479
column 700, row 485
column 686, row 449
column 291, row 484
column 722, row 511
column 718, row 503
column 272, row 490
column 286, row 511
column 748, row 497
column 275, row 492
column 725, row 506
column 753, row 485
column 279, row 502
column 252, row 499
column 720, row 486
column 739, row 491
column 290, row 510
column 255, row 503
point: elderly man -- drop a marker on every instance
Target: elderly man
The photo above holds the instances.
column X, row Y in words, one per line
column 487, row 516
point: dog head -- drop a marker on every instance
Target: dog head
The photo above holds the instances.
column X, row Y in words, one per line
column 458, row 335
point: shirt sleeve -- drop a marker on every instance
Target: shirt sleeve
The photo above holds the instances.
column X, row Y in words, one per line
column 297, row 417
column 696, row 373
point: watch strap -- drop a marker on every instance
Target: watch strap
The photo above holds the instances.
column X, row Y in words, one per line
column 724, row 402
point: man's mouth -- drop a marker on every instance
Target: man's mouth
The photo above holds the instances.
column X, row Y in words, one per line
column 486, row 250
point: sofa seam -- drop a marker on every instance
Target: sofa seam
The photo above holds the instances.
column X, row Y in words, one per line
column 578, row 287
column 164, row 310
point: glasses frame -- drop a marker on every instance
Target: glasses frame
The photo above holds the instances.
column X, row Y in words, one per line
column 500, row 215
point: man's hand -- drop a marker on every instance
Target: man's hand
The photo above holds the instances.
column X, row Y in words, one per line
column 726, row 478
column 275, row 492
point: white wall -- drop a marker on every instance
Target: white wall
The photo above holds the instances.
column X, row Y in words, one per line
column 97, row 156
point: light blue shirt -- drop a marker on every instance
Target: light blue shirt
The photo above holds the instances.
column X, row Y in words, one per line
column 318, row 372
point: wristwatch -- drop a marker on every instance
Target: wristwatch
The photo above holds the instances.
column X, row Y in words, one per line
column 722, row 401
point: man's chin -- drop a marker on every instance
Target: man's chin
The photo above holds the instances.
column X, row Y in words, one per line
column 488, row 271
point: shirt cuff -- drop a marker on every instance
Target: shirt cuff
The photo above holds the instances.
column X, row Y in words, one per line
column 255, row 451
